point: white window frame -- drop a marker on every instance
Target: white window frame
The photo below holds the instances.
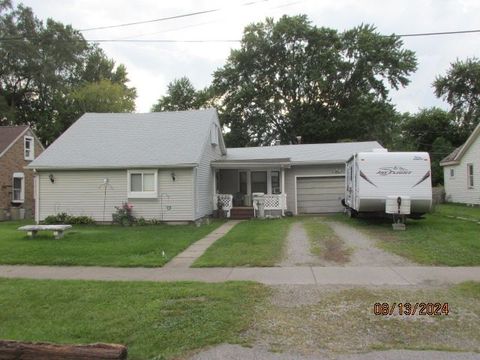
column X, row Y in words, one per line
column 142, row 194
column 470, row 181
column 31, row 154
column 18, row 175
column 452, row 173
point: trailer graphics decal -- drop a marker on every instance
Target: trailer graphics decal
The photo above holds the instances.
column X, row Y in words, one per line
column 425, row 177
column 367, row 179
column 393, row 170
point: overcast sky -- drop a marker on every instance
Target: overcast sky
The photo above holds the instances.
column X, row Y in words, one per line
column 152, row 66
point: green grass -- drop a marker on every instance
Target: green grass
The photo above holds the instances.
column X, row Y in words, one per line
column 153, row 319
column 342, row 320
column 250, row 243
column 435, row 240
column 99, row 245
column 459, row 210
column 324, row 242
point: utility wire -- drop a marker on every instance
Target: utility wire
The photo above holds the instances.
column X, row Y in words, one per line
column 439, row 33
column 231, row 40
column 167, row 18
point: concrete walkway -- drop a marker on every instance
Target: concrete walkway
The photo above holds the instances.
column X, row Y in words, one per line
column 299, row 275
column 186, row 258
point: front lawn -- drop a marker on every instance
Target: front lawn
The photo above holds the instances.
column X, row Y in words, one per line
column 101, row 245
column 438, row 239
column 250, row 243
column 155, row 320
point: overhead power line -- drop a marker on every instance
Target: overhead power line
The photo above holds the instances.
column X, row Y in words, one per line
column 167, row 18
column 21, row 38
column 439, row 33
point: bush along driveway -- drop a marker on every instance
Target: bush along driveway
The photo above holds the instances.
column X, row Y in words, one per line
column 100, row 245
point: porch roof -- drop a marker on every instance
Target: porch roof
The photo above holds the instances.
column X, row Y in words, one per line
column 301, row 154
column 251, row 163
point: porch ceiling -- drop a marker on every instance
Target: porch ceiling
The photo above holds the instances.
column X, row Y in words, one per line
column 251, row 163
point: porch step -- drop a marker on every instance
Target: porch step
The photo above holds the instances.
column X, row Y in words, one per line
column 241, row 213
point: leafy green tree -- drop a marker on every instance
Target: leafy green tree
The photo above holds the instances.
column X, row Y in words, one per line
column 103, row 96
column 433, row 130
column 291, row 78
column 42, row 64
column 460, row 87
column 182, row 95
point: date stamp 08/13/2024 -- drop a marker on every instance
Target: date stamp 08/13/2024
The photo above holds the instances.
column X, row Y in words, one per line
column 410, row 309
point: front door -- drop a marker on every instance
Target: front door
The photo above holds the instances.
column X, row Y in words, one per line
column 259, row 182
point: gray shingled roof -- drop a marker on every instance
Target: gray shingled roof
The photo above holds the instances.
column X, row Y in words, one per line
column 8, row 134
column 125, row 140
column 304, row 153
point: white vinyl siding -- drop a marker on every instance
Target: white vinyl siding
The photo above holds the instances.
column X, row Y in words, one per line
column 457, row 188
column 82, row 193
column 204, row 179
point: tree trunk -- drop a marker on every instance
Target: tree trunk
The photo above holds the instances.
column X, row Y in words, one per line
column 16, row 350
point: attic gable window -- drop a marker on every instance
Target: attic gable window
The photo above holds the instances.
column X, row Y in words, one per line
column 214, row 134
column 28, row 148
column 142, row 184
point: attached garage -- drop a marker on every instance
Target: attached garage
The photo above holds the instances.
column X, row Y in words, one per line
column 320, row 194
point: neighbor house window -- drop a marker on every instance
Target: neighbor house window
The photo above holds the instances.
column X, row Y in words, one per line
column 28, row 148
column 18, row 188
column 275, row 182
column 142, row 183
column 452, row 172
column 470, row 175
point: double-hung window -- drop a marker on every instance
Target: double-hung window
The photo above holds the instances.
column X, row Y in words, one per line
column 28, row 148
column 470, row 175
column 18, row 188
column 142, row 183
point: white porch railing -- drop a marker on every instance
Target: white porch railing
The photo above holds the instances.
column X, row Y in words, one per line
column 273, row 202
column 226, row 200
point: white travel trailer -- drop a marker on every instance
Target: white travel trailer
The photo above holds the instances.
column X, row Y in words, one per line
column 397, row 183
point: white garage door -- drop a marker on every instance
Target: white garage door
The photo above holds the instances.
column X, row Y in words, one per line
column 320, row 194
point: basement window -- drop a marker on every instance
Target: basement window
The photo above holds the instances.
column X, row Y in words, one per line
column 142, row 184
column 28, row 148
column 18, row 188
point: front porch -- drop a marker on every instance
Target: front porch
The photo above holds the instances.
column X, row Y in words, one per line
column 240, row 191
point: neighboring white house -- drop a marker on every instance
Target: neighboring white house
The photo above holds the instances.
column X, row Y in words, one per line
column 174, row 166
column 461, row 171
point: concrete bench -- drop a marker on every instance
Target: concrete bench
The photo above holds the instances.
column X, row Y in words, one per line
column 58, row 230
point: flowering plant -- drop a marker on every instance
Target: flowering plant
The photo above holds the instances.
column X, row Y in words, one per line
column 124, row 215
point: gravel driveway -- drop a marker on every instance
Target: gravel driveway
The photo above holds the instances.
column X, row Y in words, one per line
column 365, row 252
column 298, row 248
column 237, row 352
